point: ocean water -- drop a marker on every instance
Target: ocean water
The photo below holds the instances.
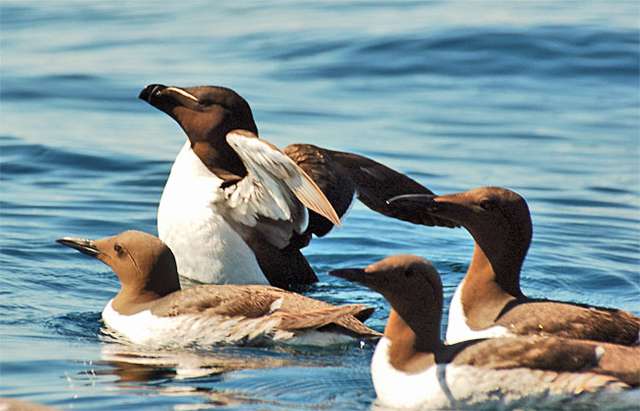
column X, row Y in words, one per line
column 540, row 97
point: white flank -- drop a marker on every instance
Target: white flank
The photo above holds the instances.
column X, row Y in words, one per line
column 446, row 386
column 206, row 247
column 144, row 328
column 457, row 328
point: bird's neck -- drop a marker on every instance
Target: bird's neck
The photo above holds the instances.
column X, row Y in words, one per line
column 489, row 285
column 411, row 351
column 129, row 302
column 220, row 159
column 136, row 296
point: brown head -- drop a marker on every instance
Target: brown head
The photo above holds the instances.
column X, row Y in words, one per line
column 206, row 114
column 144, row 265
column 413, row 287
column 497, row 218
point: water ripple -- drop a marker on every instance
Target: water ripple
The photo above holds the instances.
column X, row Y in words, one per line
column 556, row 52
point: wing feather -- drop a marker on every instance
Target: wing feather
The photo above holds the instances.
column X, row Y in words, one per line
column 560, row 355
column 317, row 318
column 270, row 164
column 275, row 188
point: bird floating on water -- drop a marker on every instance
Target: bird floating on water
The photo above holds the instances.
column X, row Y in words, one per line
column 489, row 302
column 413, row 368
column 237, row 210
column 151, row 309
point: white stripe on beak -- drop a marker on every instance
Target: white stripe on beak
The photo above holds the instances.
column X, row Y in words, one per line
column 184, row 93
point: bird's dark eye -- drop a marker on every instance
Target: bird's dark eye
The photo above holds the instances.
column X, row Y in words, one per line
column 408, row 273
column 118, row 249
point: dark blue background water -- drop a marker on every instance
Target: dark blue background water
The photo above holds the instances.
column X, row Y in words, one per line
column 539, row 97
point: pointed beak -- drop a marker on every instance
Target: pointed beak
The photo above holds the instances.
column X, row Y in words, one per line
column 428, row 209
column 427, row 201
column 350, row 274
column 164, row 97
column 151, row 91
column 85, row 246
column 360, row 276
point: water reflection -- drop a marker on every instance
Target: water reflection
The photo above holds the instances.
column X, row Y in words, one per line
column 223, row 376
column 137, row 364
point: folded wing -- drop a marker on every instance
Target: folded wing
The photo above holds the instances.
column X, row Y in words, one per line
column 253, row 310
column 611, row 362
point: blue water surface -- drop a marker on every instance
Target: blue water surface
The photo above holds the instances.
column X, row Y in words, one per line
column 541, row 97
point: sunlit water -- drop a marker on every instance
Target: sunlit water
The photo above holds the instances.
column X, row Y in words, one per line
column 539, row 97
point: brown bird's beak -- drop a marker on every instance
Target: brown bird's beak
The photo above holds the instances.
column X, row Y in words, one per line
column 357, row 275
column 85, row 246
column 451, row 210
column 416, row 200
column 150, row 92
